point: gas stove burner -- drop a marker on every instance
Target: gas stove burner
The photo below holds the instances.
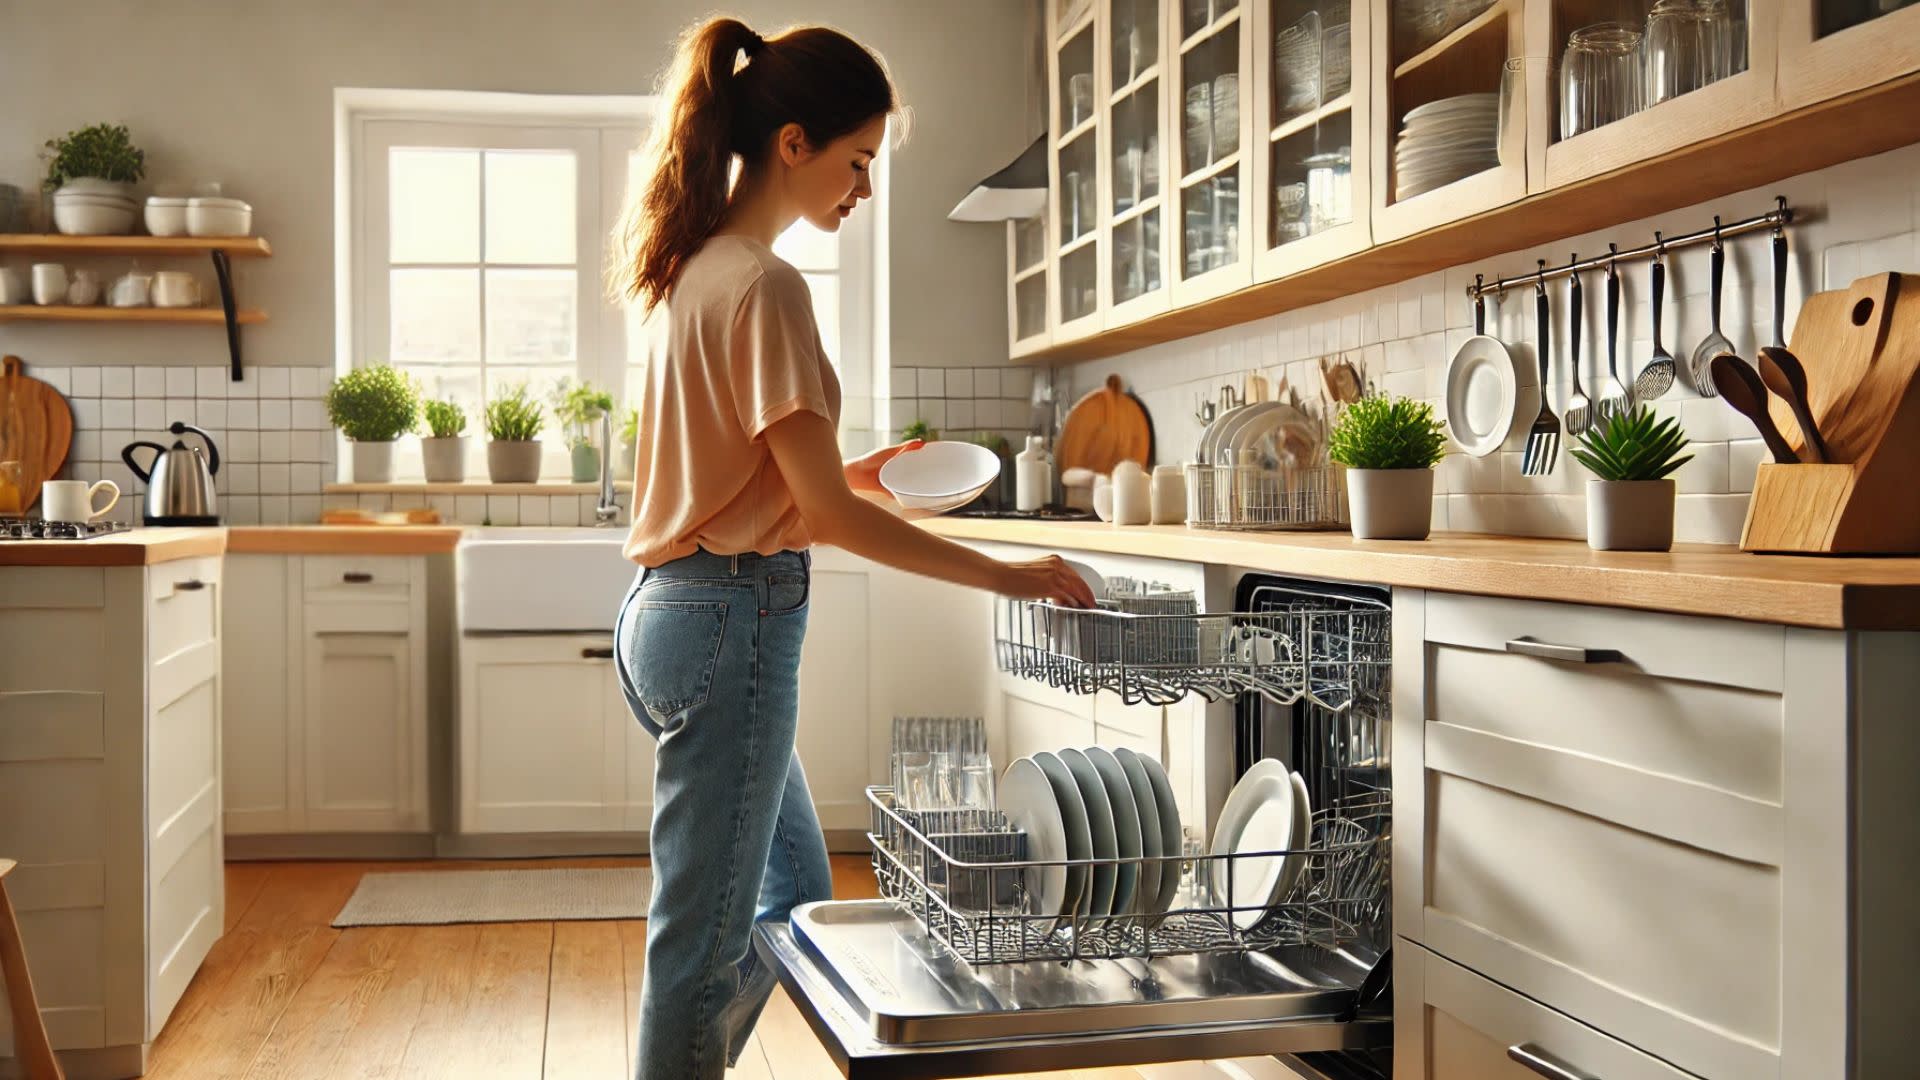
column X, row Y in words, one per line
column 18, row 528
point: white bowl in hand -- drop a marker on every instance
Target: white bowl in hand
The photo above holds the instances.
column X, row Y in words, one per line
column 940, row 476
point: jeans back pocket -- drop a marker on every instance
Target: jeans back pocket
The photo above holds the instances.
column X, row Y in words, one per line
column 674, row 648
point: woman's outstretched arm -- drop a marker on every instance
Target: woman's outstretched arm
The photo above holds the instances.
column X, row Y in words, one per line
column 808, row 455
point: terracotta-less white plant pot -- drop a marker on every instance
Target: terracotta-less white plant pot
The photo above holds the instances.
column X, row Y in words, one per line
column 372, row 462
column 1390, row 504
column 513, row 461
column 1630, row 515
column 444, row 459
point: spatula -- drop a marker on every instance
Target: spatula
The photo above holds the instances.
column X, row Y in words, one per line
column 1741, row 386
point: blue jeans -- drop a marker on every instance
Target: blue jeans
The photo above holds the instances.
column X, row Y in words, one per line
column 708, row 651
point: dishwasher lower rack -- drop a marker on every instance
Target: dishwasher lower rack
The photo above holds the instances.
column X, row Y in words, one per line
column 964, row 876
column 1309, row 646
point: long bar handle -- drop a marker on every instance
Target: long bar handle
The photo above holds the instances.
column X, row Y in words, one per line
column 357, row 577
column 591, row 653
column 1545, row 1064
column 189, row 585
column 1576, row 654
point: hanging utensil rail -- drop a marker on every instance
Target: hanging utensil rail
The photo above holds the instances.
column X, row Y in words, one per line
column 1776, row 219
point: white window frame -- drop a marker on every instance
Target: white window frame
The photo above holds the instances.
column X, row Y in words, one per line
column 368, row 121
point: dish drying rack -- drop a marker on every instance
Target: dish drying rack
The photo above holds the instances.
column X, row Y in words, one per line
column 964, row 874
column 1256, row 497
column 1154, row 646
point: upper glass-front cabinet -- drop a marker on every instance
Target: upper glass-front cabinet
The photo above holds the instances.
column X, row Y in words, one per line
column 1213, row 162
column 1076, row 63
column 1632, row 79
column 1449, row 112
column 1313, row 57
column 1833, row 47
column 1136, row 207
column 1027, row 285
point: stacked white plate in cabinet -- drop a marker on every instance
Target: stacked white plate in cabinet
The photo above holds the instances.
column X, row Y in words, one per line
column 1446, row 140
column 1116, row 807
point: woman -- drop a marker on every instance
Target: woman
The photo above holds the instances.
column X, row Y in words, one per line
column 737, row 473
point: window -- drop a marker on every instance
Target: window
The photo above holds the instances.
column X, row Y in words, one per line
column 477, row 236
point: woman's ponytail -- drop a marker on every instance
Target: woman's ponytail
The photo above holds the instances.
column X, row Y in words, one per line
column 690, row 151
column 715, row 108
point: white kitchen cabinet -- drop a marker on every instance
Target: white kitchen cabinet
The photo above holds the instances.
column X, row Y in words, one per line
column 326, row 720
column 544, row 745
column 1645, row 822
column 110, row 758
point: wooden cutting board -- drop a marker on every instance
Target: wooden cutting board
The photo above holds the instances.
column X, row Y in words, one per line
column 37, row 426
column 1105, row 428
column 1860, row 346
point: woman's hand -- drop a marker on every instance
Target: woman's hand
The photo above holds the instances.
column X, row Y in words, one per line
column 863, row 472
column 1049, row 578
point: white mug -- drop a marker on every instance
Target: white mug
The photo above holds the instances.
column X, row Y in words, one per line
column 49, row 283
column 71, row 501
column 175, row 289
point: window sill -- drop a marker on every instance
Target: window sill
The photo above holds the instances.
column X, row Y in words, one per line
column 471, row 487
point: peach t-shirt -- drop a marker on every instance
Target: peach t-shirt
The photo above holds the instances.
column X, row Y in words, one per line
column 731, row 351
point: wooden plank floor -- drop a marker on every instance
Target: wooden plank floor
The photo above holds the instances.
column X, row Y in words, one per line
column 285, row 995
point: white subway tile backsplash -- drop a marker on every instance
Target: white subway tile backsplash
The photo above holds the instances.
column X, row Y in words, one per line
column 986, row 383
column 210, row 382
column 503, row 509
column 116, row 381
column 310, row 382
column 276, row 510
column 150, row 381
column 309, row 415
column 933, row 382
column 1709, row 519
column 310, row 445
column 116, row 412
column 241, row 478
column 276, row 480
column 275, row 382
column 180, row 382
column 470, row 509
column 274, row 447
column 305, row 509
column 960, row 414
column 241, row 510
column 960, row 383
column 1707, row 473
column 906, row 384
column 564, row 510
column 534, row 509
column 275, row 415
column 149, row 414
column 243, row 415
column 1744, row 458
column 303, row 478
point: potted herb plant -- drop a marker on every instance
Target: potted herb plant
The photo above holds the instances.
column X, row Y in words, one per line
column 629, row 440
column 1389, row 446
column 1630, row 505
column 444, row 452
column 514, row 421
column 373, row 406
column 578, row 407
column 91, row 173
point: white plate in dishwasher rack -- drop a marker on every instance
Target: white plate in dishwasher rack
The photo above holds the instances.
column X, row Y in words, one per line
column 1073, row 810
column 1106, row 838
column 1026, row 797
column 1258, row 817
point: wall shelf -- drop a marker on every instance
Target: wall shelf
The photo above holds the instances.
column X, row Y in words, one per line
column 69, row 313
column 221, row 249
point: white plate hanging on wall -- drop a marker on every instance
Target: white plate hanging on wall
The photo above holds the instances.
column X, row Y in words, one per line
column 1486, row 392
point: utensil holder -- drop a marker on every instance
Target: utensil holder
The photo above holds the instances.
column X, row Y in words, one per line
column 1861, row 349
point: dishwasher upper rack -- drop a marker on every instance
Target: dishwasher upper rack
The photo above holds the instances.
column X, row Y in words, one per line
column 977, row 905
column 1300, row 645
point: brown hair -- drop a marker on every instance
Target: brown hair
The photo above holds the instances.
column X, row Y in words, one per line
column 716, row 108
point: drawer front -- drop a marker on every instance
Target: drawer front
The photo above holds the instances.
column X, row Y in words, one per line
column 358, row 579
column 1670, row 946
column 1463, row 1026
column 183, row 605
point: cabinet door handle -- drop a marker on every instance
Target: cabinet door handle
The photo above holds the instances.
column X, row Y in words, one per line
column 356, row 577
column 592, row 653
column 1545, row 1064
column 1571, row 653
column 189, row 585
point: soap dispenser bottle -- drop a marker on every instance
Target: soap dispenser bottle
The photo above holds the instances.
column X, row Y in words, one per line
column 1032, row 475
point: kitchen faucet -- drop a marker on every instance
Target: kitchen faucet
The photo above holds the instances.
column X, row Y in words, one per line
column 608, row 510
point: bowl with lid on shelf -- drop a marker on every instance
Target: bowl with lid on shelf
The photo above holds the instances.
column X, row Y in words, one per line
column 213, row 216
column 166, row 215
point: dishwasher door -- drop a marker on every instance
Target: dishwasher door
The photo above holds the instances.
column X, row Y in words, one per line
column 888, row 1001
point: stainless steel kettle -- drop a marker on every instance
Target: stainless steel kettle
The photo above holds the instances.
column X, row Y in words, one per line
column 179, row 480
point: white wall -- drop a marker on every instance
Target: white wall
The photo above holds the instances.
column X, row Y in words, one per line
column 1854, row 219
column 242, row 91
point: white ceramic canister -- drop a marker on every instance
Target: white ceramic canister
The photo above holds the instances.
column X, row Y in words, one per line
column 1169, row 495
column 1132, row 494
column 1032, row 475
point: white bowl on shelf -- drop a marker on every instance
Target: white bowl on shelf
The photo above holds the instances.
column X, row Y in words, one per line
column 219, row 217
column 167, row 215
column 85, row 216
column 940, row 476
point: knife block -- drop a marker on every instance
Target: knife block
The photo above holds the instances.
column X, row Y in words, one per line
column 1861, row 348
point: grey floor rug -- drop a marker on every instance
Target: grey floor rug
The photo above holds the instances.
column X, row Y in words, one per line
column 433, row 898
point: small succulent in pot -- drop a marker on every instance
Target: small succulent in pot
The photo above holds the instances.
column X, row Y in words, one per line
column 577, row 407
column 1630, row 504
column 373, row 405
column 443, row 453
column 514, row 420
column 1389, row 447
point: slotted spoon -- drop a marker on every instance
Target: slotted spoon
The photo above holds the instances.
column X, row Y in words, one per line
column 1716, row 342
column 1657, row 377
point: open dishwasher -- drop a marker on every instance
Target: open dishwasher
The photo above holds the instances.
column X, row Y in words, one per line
column 961, row 971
